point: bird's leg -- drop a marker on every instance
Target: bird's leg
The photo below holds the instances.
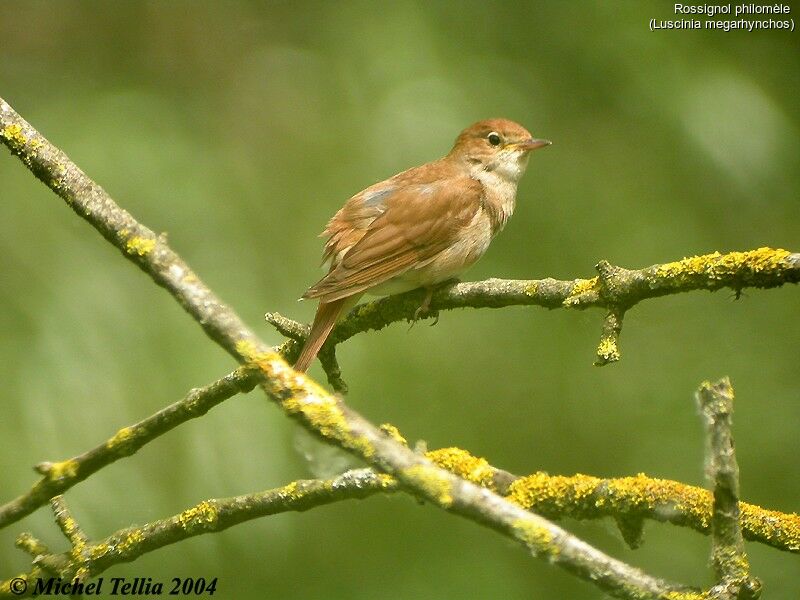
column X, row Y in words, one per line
column 425, row 307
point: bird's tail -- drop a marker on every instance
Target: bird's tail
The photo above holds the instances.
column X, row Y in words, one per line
column 327, row 315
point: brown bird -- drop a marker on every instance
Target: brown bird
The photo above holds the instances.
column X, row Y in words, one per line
column 421, row 227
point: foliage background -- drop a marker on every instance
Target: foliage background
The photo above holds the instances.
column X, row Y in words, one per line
column 240, row 127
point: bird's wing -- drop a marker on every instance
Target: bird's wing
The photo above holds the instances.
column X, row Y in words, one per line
column 416, row 222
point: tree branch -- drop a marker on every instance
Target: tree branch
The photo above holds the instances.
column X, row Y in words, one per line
column 298, row 395
column 715, row 402
column 79, row 556
column 628, row 500
column 60, row 476
column 616, row 290
column 579, row 497
column 328, row 416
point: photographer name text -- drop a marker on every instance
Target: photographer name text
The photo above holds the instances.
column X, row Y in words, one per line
column 114, row 586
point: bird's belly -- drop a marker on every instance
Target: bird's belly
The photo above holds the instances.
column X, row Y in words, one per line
column 447, row 264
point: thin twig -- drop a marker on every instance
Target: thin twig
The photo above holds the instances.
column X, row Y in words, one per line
column 715, row 402
column 31, row 545
column 80, row 558
column 60, row 476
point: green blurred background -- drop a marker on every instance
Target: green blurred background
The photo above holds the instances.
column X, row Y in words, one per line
column 240, row 127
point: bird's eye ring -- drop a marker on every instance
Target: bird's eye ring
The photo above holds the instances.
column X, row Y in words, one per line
column 494, row 139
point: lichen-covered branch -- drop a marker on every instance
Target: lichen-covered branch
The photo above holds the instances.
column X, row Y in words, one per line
column 615, row 289
column 579, row 497
column 627, row 499
column 79, row 555
column 137, row 243
column 211, row 516
column 58, row 477
column 715, row 402
column 329, row 417
column 298, row 395
column 635, row 498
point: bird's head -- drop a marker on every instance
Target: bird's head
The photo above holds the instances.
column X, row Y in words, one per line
column 496, row 145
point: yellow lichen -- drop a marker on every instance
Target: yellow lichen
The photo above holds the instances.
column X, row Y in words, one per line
column 584, row 496
column 531, row 289
column 581, row 287
column 98, row 551
column 542, row 489
column 607, row 350
column 203, row 515
column 778, row 529
column 323, row 413
column 386, row 481
column 26, row 542
column 130, row 540
column 436, row 486
column 122, row 436
column 538, row 539
column 139, row 245
column 465, row 465
column 70, row 526
column 57, row 181
column 78, row 542
column 16, row 138
column 393, row 433
column 290, row 491
column 718, row 266
column 301, row 396
column 60, row 470
column 686, row 595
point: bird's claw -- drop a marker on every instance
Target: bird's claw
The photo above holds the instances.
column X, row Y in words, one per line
column 424, row 309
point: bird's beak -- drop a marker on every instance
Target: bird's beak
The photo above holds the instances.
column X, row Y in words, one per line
column 532, row 144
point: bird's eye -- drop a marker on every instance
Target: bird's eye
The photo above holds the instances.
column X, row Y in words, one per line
column 494, row 139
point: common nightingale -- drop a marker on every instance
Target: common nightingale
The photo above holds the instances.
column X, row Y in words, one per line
column 421, row 227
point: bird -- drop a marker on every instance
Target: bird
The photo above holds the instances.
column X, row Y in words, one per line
column 421, row 227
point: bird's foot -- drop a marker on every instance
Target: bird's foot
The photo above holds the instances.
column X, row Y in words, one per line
column 424, row 309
